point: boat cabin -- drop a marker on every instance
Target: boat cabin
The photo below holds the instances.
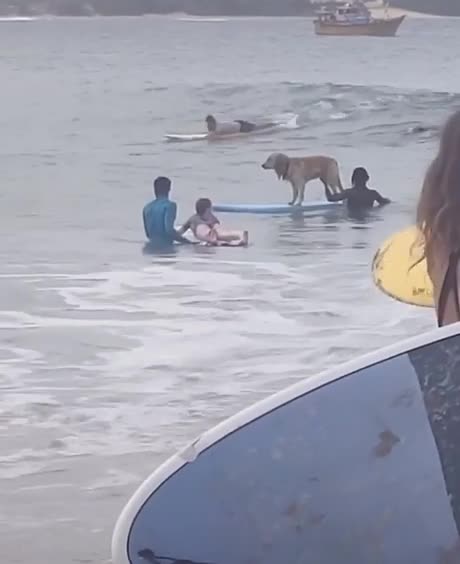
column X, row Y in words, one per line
column 349, row 13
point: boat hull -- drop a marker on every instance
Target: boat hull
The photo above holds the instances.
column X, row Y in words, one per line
column 376, row 28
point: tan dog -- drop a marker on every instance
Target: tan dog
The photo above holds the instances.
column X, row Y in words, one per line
column 300, row 170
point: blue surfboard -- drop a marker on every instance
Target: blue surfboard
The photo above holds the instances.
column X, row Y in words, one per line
column 276, row 208
column 358, row 465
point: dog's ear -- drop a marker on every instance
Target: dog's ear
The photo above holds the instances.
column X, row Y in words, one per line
column 281, row 165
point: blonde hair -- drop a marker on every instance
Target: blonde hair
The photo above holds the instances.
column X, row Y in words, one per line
column 438, row 212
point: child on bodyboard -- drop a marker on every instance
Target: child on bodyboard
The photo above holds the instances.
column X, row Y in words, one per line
column 206, row 227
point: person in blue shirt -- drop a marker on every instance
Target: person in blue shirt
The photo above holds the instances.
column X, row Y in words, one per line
column 160, row 214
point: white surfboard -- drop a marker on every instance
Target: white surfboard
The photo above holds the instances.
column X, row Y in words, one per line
column 290, row 123
column 360, row 464
column 186, row 136
column 191, row 237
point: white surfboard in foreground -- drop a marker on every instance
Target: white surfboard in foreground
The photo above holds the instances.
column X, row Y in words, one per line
column 358, row 465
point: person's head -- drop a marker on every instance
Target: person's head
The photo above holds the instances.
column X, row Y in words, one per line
column 438, row 209
column 211, row 123
column 161, row 187
column 203, row 205
column 360, row 177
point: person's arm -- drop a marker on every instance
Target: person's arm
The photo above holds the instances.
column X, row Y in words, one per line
column 184, row 228
column 214, row 220
column 380, row 199
column 331, row 197
column 145, row 224
column 170, row 218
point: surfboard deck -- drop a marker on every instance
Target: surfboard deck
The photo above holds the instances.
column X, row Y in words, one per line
column 355, row 465
column 186, row 136
column 398, row 272
column 276, row 208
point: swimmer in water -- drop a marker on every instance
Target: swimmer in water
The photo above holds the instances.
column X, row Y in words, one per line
column 359, row 197
column 232, row 127
column 206, row 227
column 159, row 216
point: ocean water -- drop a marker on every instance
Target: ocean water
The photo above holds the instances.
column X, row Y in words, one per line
column 111, row 358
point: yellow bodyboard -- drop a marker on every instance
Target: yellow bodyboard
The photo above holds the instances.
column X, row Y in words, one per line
column 397, row 273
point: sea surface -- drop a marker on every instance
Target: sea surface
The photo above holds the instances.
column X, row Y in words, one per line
column 111, row 358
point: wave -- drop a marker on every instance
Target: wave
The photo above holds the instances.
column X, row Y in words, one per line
column 17, row 19
column 196, row 19
column 387, row 115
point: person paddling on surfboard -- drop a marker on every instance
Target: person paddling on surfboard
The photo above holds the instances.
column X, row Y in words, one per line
column 359, row 197
column 206, row 227
column 160, row 214
column 232, row 127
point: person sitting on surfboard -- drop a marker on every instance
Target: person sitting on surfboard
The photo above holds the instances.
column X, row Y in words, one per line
column 206, row 227
column 160, row 214
column 359, row 197
column 232, row 127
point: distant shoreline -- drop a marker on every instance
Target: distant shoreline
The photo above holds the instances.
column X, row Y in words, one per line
column 208, row 10
column 376, row 7
column 211, row 18
column 395, row 12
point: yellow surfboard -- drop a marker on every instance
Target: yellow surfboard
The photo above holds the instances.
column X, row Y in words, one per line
column 397, row 273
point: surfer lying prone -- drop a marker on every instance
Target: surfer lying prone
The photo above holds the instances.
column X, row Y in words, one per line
column 236, row 126
column 359, row 197
column 206, row 227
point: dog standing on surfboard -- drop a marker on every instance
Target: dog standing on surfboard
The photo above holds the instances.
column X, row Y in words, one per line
column 300, row 170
